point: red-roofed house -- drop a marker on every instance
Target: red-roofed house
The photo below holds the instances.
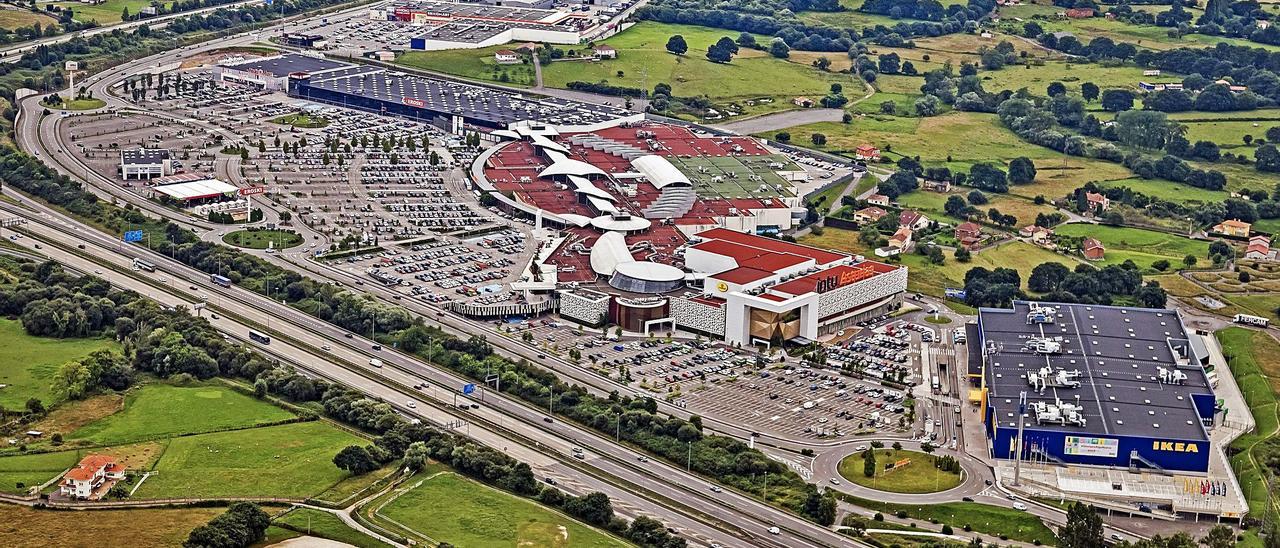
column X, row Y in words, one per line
column 1079, row 13
column 86, row 480
column 867, row 152
column 1260, row 249
column 878, row 199
column 1233, row 227
column 506, row 57
column 912, row 219
column 901, row 239
column 604, row 51
column 1097, row 202
column 968, row 234
column 869, row 215
column 1038, row 235
column 1092, row 249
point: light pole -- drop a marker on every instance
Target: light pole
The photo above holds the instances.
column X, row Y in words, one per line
column 617, row 435
column 688, row 465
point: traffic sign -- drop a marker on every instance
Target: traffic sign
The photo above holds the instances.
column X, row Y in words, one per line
column 133, row 235
column 468, row 388
column 252, row 190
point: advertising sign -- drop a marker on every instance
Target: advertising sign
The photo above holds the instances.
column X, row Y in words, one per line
column 133, row 236
column 1092, row 447
column 415, row 102
column 252, row 190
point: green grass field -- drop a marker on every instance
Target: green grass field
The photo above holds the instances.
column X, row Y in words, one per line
column 933, row 204
column 1255, row 364
column 450, row 508
column 919, row 476
column 32, row 470
column 15, row 18
column 470, row 63
column 301, row 120
column 1142, row 246
column 106, row 13
column 1144, row 36
column 984, row 518
column 1169, row 190
column 159, row 411
column 318, row 523
column 1038, row 77
column 260, row 239
column 644, row 62
column 132, row 527
column 27, row 364
column 290, row 460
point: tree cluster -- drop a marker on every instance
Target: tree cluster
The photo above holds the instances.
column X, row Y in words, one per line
column 243, row 524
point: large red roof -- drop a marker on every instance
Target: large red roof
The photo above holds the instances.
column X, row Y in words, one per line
column 743, row 275
column 843, row 274
column 820, row 256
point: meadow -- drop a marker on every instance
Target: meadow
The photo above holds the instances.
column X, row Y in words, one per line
column 918, row 476
column 1141, row 246
column 262, row 239
column 157, row 411
column 485, row 517
column 106, row 13
column 135, row 527
column 1254, row 359
column 318, row 523
column 27, row 364
column 289, row 460
column 478, row 64
column 16, row 18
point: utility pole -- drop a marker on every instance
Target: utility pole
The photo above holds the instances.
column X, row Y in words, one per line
column 1022, row 421
column 688, row 466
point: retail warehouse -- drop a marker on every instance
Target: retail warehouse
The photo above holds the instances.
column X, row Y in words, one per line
column 1103, row 385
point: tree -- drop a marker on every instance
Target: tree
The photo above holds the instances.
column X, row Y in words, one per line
column 820, row 507
column 35, row 407
column 868, row 463
column 869, row 235
column 955, row 206
column 677, row 45
column 1083, row 528
column 1117, row 100
column 1022, row 171
column 594, row 508
column 1267, row 158
column 818, row 139
column 415, row 456
column 1089, row 91
column 355, row 459
column 1047, row 277
column 782, row 137
column 1189, row 261
column 1056, row 88
column 822, row 63
column 243, row 524
column 1220, row 536
column 717, row 54
column 778, row 48
column 1160, row 265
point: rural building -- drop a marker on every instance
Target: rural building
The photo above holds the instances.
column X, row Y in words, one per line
column 1233, row 227
column 89, row 479
column 1159, row 86
column 1079, row 13
column 1151, row 72
column 1092, row 249
column 901, row 240
column 1234, row 88
column 1038, row 235
column 1097, row 202
column 912, row 219
column 867, row 152
column 878, row 199
column 145, row 163
column 506, row 57
column 1260, row 249
column 604, row 51
column 968, row 233
column 869, row 214
column 802, row 102
column 936, row 186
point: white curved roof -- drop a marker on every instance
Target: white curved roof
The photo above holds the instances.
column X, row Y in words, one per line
column 629, row 224
column 505, row 133
column 575, row 219
column 659, row 171
column 542, row 141
column 602, row 205
column 584, row 186
column 650, row 271
column 608, row 252
column 564, row 165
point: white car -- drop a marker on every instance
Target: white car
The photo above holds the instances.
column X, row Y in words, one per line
column 411, row 404
column 835, row 481
column 775, row 531
column 1020, row 507
column 716, row 489
column 860, row 448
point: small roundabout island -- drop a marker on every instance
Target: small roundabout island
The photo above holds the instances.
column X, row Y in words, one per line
column 263, row 239
column 901, row 471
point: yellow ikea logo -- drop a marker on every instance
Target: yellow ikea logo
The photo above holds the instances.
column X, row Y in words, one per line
column 1175, row 446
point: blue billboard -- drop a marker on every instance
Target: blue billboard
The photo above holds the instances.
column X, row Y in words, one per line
column 133, row 235
column 468, row 388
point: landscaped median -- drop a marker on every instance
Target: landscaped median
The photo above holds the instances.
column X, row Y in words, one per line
column 983, row 518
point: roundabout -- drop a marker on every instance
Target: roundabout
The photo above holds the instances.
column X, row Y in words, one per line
column 902, row 471
column 263, row 239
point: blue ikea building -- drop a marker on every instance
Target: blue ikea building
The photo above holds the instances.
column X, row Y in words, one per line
column 1099, row 385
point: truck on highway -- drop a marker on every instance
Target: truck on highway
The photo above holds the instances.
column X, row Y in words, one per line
column 220, row 280
column 144, row 265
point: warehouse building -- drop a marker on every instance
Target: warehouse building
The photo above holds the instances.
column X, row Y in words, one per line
column 145, row 163
column 1096, row 385
column 272, row 73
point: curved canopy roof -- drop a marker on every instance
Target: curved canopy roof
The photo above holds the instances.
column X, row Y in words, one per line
column 582, row 185
column 659, row 171
column 608, row 252
column 564, row 165
column 650, row 271
column 575, row 219
column 621, row 224
column 542, row 141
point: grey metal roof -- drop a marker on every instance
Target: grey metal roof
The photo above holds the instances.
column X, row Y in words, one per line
column 282, row 65
column 143, row 156
column 1117, row 351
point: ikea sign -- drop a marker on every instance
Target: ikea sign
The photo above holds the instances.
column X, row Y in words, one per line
column 1175, row 446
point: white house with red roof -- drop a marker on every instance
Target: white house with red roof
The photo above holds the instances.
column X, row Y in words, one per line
column 1097, row 202
column 1260, row 249
column 88, row 479
column 604, row 51
column 912, row 219
column 867, row 152
column 878, row 199
column 506, row 57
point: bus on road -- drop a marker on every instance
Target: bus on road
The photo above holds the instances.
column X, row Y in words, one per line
column 937, row 385
column 1252, row 320
column 220, row 280
column 144, row 265
column 259, row 337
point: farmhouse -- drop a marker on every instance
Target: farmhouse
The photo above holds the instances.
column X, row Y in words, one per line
column 968, row 233
column 604, row 51
column 1260, row 249
column 912, row 219
column 1233, row 227
column 89, row 479
column 1038, row 235
column 878, row 199
column 1079, row 13
column 869, row 214
column 506, row 57
column 942, row 185
column 867, row 152
column 1092, row 249
column 1097, row 202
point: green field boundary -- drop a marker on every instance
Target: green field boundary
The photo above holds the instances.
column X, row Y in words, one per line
column 1256, row 480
